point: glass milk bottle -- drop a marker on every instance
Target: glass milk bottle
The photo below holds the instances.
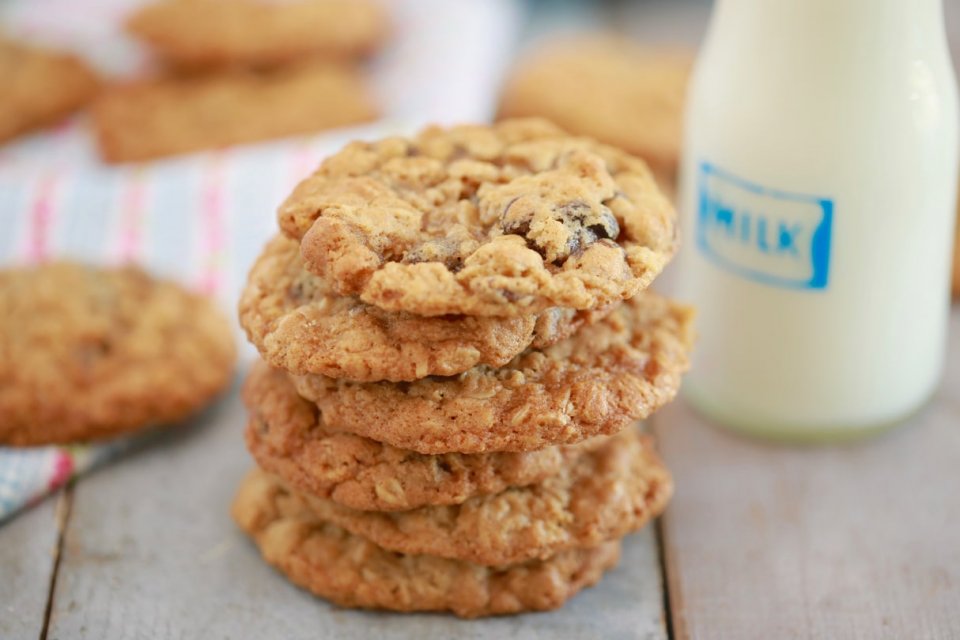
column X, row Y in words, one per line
column 817, row 191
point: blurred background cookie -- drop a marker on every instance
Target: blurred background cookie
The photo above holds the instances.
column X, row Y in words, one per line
column 214, row 33
column 607, row 87
column 38, row 87
column 171, row 115
column 88, row 353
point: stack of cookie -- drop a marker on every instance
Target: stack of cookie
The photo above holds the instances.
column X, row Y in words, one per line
column 457, row 341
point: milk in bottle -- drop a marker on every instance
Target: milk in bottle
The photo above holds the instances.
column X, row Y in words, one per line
column 817, row 192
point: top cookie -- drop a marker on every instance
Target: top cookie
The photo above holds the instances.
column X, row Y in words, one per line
column 40, row 87
column 642, row 89
column 88, row 353
column 499, row 220
column 258, row 33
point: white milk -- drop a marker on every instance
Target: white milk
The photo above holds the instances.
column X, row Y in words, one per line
column 818, row 190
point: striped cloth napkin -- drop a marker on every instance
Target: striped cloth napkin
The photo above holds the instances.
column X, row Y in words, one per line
column 202, row 219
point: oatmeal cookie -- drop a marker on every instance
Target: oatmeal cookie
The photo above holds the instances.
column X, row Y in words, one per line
column 611, row 373
column 40, row 87
column 258, row 33
column 299, row 324
column 497, row 220
column 87, row 353
column 643, row 93
column 351, row 571
column 603, row 495
column 171, row 115
column 286, row 438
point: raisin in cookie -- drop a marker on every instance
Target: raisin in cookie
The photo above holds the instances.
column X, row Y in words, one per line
column 88, row 353
column 299, row 324
column 286, row 438
column 602, row 496
column 258, row 33
column 178, row 114
column 353, row 572
column 497, row 220
column 40, row 87
column 620, row 369
column 643, row 94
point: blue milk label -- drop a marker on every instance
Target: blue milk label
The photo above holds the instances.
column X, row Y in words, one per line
column 767, row 235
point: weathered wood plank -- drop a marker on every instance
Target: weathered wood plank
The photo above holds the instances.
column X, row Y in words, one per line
column 857, row 541
column 151, row 552
column 28, row 548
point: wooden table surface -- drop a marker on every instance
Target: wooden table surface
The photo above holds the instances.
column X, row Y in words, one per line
column 760, row 541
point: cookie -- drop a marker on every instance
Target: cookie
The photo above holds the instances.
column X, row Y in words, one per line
column 286, row 438
column 500, row 220
column 643, row 92
column 605, row 494
column 298, row 323
column 87, row 353
column 172, row 115
column 353, row 572
column 40, row 87
column 258, row 33
column 611, row 373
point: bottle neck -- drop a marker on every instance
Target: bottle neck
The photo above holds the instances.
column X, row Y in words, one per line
column 859, row 25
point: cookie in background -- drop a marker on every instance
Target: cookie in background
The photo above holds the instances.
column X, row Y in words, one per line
column 171, row 115
column 90, row 353
column 610, row 88
column 40, row 87
column 241, row 71
column 201, row 34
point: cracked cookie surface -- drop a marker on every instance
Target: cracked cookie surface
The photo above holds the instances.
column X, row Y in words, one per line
column 258, row 33
column 500, row 220
column 300, row 324
column 88, row 353
column 287, row 439
column 353, row 572
column 603, row 495
column 618, row 370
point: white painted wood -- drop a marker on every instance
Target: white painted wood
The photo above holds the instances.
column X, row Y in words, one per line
column 858, row 541
column 28, row 546
column 152, row 553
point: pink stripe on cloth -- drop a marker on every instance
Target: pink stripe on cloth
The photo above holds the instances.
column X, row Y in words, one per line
column 41, row 217
column 129, row 239
column 62, row 470
column 212, row 226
